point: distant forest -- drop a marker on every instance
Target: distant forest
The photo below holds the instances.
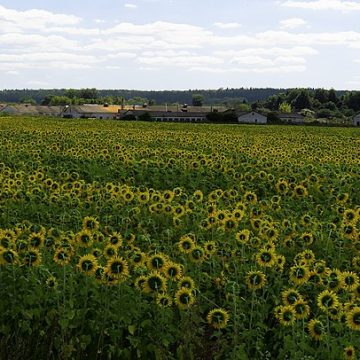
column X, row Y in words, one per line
column 211, row 97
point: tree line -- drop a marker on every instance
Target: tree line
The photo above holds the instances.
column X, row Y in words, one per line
column 316, row 103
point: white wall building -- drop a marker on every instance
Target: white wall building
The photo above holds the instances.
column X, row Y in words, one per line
column 252, row 117
column 356, row 120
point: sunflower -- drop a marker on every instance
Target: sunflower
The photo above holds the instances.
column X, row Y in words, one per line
column 178, row 211
column 250, row 198
column 143, row 197
column 300, row 191
column 139, row 282
column 299, row 274
column 186, row 244
column 110, row 251
column 6, row 241
column 117, row 268
column 8, row 256
column 36, row 240
column 198, row 195
column 255, row 280
column 350, row 216
column 173, row 270
column 302, row 309
column 333, row 279
column 197, row 254
column 280, row 262
column 168, row 195
column 349, row 280
column 353, row 319
column 210, row 247
column 327, row 299
column 349, row 353
column 90, row 223
column 115, row 239
column 157, row 261
column 290, row 296
column 137, row 258
column 99, row 273
column 266, row 258
column 154, row 282
column 184, row 298
column 316, row 329
column 243, row 236
column 87, row 264
column 186, row 282
column 51, row 282
column 218, row 318
column 286, row 315
column 307, row 238
column 32, row 257
column 282, row 186
column 84, row 238
column 163, row 300
column 62, row 256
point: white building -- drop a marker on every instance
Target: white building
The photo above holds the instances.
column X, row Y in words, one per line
column 291, row 118
column 252, row 117
column 356, row 120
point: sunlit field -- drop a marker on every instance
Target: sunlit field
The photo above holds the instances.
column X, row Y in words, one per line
column 125, row 240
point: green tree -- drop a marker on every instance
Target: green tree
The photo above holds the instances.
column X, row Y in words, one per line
column 302, row 101
column 285, row 108
column 197, row 100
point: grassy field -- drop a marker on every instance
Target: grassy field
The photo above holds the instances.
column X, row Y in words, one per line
column 126, row 240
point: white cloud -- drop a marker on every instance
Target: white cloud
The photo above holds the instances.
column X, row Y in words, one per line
column 292, row 23
column 33, row 41
column 323, row 5
column 232, row 25
column 183, row 61
column 36, row 19
column 12, row 72
column 259, row 70
column 130, row 6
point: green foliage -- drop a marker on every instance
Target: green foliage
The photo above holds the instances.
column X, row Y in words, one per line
column 285, row 107
column 197, row 100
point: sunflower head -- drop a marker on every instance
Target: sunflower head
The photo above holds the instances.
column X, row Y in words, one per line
column 218, row 318
column 184, row 298
column 255, row 280
column 155, row 282
column 87, row 264
column 316, row 329
column 117, row 268
column 163, row 300
column 8, row 257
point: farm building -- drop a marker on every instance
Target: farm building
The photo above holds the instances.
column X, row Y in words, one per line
column 251, row 117
column 291, row 118
column 172, row 116
column 356, row 120
column 31, row 110
column 91, row 111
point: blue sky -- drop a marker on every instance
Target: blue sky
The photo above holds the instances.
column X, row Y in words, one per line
column 179, row 44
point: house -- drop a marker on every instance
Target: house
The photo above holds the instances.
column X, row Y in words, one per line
column 91, row 111
column 291, row 118
column 252, row 117
column 31, row 110
column 356, row 120
column 172, row 116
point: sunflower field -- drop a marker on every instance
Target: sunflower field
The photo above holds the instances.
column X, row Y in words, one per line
column 135, row 240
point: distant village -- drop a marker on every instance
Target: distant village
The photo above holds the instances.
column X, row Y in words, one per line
column 160, row 113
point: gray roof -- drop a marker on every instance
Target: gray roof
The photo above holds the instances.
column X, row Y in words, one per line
column 164, row 114
column 290, row 116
